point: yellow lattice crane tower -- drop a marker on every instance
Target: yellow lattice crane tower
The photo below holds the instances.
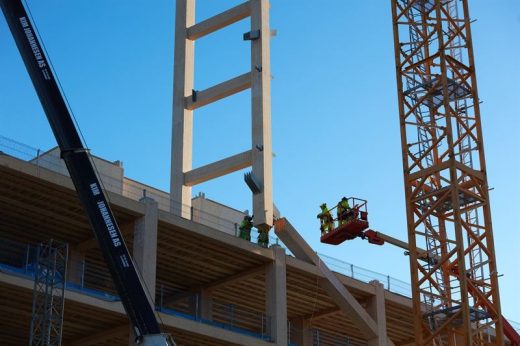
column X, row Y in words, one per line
column 456, row 298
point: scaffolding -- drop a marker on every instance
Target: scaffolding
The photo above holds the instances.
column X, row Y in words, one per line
column 50, row 267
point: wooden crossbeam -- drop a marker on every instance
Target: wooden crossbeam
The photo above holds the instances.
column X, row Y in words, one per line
column 218, row 169
column 330, row 283
column 323, row 313
column 218, row 92
column 234, row 278
column 219, row 21
column 228, row 280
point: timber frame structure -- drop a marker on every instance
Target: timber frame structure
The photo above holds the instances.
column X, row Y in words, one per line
column 208, row 287
column 186, row 99
column 445, row 178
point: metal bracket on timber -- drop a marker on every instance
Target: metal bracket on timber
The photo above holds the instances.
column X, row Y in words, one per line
column 331, row 284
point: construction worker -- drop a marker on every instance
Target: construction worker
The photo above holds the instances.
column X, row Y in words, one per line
column 343, row 209
column 245, row 228
column 326, row 221
column 263, row 238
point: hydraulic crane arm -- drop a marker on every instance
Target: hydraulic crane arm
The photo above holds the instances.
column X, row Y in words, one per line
column 379, row 238
column 88, row 187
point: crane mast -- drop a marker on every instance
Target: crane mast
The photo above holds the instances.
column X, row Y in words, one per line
column 455, row 299
column 90, row 192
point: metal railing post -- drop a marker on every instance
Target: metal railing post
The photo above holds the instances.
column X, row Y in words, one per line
column 161, row 297
column 27, row 258
column 262, row 325
column 82, row 273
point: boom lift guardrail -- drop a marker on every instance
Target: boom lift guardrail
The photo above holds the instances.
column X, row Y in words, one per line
column 354, row 223
column 90, row 192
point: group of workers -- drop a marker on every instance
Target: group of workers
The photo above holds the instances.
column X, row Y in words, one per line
column 245, row 232
column 343, row 210
column 344, row 213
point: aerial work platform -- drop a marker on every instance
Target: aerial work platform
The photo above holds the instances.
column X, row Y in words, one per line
column 349, row 230
column 349, row 226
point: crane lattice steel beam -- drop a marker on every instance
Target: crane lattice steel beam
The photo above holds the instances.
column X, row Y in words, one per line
column 445, row 178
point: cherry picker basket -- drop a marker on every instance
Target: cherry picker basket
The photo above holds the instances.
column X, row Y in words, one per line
column 354, row 225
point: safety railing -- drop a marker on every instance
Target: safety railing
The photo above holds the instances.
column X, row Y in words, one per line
column 241, row 317
column 212, row 311
column 93, row 279
column 17, row 257
column 348, row 269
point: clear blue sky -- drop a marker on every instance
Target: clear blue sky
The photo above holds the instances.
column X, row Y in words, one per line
column 334, row 107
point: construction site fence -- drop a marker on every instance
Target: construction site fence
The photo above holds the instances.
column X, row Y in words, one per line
column 137, row 191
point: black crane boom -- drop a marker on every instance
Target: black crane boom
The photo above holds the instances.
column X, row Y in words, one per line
column 79, row 165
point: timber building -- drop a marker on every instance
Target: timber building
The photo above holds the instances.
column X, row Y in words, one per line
column 210, row 287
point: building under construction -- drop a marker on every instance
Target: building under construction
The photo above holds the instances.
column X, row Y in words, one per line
column 207, row 285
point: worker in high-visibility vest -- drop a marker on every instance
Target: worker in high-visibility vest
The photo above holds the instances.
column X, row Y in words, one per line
column 326, row 221
column 263, row 238
column 245, row 228
column 343, row 209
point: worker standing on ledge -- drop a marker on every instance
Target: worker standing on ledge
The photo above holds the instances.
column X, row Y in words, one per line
column 245, row 228
column 327, row 224
column 263, row 238
column 343, row 209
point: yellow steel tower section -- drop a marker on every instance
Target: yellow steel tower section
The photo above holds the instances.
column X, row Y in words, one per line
column 456, row 298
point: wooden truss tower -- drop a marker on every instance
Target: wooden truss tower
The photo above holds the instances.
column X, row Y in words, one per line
column 455, row 295
column 186, row 100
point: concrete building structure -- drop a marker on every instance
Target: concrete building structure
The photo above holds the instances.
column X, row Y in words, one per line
column 209, row 287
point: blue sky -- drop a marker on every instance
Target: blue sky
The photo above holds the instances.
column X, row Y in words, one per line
column 334, row 107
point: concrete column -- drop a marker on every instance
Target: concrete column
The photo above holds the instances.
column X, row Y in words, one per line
column 145, row 250
column 376, row 310
column 76, row 266
column 301, row 334
column 145, row 245
column 276, row 296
